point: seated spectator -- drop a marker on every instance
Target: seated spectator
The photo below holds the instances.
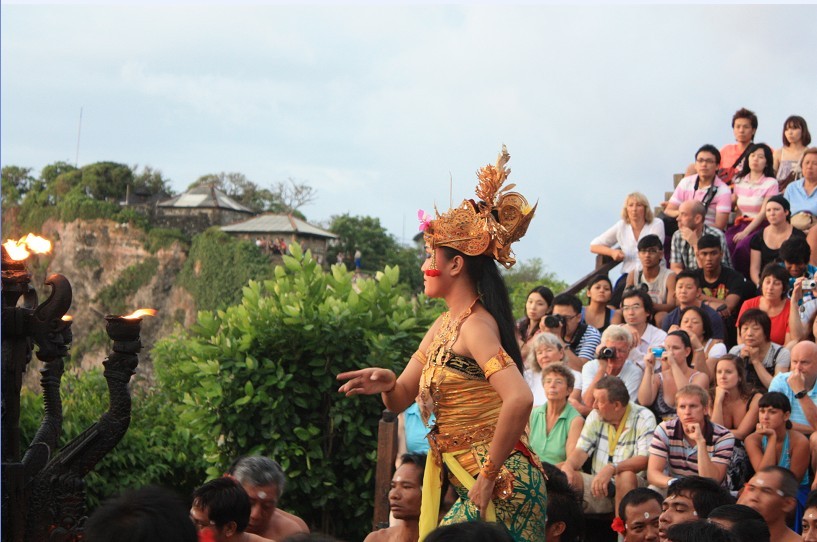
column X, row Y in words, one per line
column 699, row 327
column 773, row 492
column 765, row 246
column 801, row 314
column 405, row 497
column 690, row 444
column 746, row 524
column 763, row 358
column 565, row 517
column 617, row 436
column 722, row 288
column 735, row 403
column 801, row 194
column 636, row 306
column 800, row 388
column 537, row 305
column 222, row 507
column 598, row 313
column 809, row 523
column 639, row 511
column 690, row 499
column 753, row 186
column 704, row 187
column 796, row 138
column 621, row 240
column 688, row 294
column 411, row 433
column 616, row 344
column 773, row 301
column 775, row 443
column 654, row 277
column 657, row 390
column 555, row 426
column 546, row 350
column 698, row 531
column 263, row 480
column 733, row 156
column 691, row 228
column 795, row 255
column 149, row 514
column 579, row 338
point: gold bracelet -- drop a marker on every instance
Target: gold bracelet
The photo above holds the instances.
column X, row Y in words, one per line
column 489, row 469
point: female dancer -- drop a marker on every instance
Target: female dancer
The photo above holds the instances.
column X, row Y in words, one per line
column 468, row 369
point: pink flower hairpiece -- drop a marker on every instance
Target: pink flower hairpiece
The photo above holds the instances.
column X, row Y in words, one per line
column 425, row 219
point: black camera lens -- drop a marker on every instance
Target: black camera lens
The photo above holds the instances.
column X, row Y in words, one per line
column 554, row 320
column 607, row 353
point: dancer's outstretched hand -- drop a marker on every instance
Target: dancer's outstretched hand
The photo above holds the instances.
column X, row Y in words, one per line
column 367, row 381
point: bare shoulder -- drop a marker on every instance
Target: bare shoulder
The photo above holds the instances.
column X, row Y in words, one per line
column 381, row 535
column 301, row 523
column 284, row 524
column 249, row 537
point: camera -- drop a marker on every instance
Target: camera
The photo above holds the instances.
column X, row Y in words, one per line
column 607, row 353
column 554, row 320
column 810, row 284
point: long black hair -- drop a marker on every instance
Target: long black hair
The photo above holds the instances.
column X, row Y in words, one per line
column 493, row 294
column 523, row 324
column 768, row 171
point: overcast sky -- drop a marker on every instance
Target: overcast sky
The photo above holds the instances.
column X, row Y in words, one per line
column 375, row 106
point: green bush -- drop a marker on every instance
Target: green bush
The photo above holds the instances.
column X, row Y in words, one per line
column 114, row 297
column 259, row 377
column 153, row 451
column 158, row 238
column 219, row 266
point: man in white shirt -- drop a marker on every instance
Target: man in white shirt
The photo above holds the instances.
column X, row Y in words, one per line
column 616, row 344
column 636, row 307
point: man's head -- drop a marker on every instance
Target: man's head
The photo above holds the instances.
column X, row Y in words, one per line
column 687, row 288
column 263, row 480
column 692, row 404
column 620, row 340
column 610, row 398
column 707, row 159
column 565, row 518
column 809, row 523
column 746, row 524
column 636, row 306
column 691, row 214
column 222, row 506
column 772, row 492
column 744, row 126
column 407, row 487
column 650, row 251
column 639, row 510
column 569, row 307
column 709, row 254
column 695, row 531
column 795, row 253
column 690, row 499
column 755, row 327
column 804, row 359
column 149, row 514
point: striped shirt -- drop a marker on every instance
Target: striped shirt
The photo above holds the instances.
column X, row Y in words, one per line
column 721, row 203
column 751, row 194
column 682, row 458
column 633, row 441
column 683, row 253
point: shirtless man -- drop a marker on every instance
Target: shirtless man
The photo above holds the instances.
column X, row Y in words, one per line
column 222, row 507
column 405, row 496
column 263, row 480
column 773, row 493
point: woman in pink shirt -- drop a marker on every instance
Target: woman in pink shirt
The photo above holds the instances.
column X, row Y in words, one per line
column 753, row 186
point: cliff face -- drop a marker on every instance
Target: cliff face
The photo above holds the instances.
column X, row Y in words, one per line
column 95, row 255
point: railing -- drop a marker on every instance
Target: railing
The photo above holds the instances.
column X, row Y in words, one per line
column 604, row 264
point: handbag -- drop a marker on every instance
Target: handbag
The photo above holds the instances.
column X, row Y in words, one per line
column 803, row 220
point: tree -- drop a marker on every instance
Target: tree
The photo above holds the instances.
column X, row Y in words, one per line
column 16, row 181
column 150, row 182
column 289, row 197
column 106, row 180
column 524, row 276
column 364, row 233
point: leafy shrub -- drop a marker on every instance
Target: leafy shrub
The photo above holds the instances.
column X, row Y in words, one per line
column 153, row 451
column 114, row 297
column 259, row 377
column 158, row 238
column 219, row 266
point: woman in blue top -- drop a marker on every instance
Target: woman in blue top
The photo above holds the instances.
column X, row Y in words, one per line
column 775, row 443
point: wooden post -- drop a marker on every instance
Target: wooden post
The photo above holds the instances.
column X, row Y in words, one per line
column 386, row 455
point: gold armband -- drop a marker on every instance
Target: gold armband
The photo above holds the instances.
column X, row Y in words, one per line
column 500, row 361
column 421, row 357
column 490, row 470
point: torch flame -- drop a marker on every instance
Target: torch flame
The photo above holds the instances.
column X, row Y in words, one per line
column 139, row 313
column 22, row 249
column 66, row 318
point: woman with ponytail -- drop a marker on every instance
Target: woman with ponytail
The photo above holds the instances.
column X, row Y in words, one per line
column 468, row 369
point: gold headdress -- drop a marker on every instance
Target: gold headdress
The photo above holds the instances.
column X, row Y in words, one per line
column 487, row 227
